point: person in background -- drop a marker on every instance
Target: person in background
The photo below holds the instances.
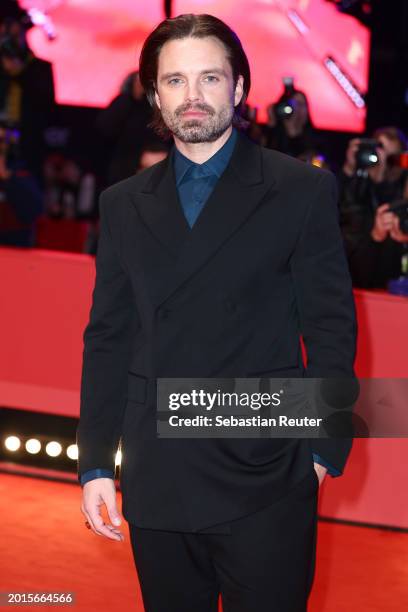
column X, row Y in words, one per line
column 293, row 134
column 26, row 92
column 152, row 153
column 70, row 188
column 374, row 241
column 20, row 197
column 123, row 126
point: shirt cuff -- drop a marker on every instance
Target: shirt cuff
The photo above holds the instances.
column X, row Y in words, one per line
column 97, row 473
column 330, row 469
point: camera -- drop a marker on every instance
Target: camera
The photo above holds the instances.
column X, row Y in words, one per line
column 366, row 154
column 286, row 107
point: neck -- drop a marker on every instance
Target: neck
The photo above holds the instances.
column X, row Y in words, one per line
column 199, row 152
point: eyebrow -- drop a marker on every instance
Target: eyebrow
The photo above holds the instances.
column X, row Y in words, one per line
column 220, row 71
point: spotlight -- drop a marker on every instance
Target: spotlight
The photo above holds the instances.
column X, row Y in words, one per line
column 72, row 452
column 118, row 458
column 53, row 449
column 12, row 443
column 33, row 446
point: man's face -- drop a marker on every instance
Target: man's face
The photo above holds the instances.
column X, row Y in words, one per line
column 195, row 89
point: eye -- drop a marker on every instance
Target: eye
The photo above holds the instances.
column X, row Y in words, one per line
column 174, row 81
column 211, row 78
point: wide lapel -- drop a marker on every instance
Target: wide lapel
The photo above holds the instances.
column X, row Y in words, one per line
column 236, row 195
column 159, row 206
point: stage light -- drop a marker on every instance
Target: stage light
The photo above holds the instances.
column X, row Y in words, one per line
column 72, row 452
column 12, row 443
column 53, row 449
column 118, row 458
column 33, row 446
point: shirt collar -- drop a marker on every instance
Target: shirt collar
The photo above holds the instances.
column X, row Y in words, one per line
column 213, row 166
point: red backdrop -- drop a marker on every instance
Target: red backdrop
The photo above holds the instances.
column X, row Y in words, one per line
column 98, row 43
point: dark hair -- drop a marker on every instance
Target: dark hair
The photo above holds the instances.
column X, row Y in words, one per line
column 196, row 26
column 392, row 133
column 126, row 85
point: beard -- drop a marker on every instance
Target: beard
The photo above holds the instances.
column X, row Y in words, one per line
column 207, row 129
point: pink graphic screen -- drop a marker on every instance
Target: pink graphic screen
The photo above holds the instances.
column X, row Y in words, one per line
column 97, row 42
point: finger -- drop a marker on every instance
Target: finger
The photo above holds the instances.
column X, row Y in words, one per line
column 103, row 529
column 100, row 527
column 113, row 514
column 117, row 531
column 88, row 518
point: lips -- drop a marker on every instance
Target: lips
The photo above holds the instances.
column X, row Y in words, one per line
column 194, row 114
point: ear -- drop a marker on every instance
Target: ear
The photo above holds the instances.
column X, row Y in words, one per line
column 239, row 90
column 157, row 99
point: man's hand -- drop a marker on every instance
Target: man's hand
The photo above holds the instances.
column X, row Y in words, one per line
column 96, row 493
column 321, row 472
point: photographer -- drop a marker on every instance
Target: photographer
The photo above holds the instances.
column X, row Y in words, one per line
column 289, row 128
column 20, row 197
column 26, row 92
column 371, row 181
column 123, row 126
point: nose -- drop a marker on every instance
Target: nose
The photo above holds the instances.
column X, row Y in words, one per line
column 193, row 92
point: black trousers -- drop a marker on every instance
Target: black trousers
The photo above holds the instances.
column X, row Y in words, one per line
column 265, row 564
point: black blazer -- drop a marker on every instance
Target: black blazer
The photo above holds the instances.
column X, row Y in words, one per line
column 230, row 297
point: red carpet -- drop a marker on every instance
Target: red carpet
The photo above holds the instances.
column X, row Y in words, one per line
column 45, row 546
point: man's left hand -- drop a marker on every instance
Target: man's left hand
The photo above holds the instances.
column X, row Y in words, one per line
column 321, row 472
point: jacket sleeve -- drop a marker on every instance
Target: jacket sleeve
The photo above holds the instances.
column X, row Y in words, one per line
column 325, row 303
column 107, row 346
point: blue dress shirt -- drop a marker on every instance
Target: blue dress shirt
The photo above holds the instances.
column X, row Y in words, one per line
column 195, row 182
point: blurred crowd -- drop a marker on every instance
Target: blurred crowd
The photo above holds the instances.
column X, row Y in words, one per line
column 48, row 199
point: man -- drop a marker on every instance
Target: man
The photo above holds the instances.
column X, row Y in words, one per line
column 26, row 92
column 20, row 196
column 123, row 126
column 211, row 264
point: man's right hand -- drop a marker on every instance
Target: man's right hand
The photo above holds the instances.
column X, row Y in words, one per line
column 95, row 493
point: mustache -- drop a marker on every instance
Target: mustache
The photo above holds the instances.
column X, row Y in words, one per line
column 196, row 107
